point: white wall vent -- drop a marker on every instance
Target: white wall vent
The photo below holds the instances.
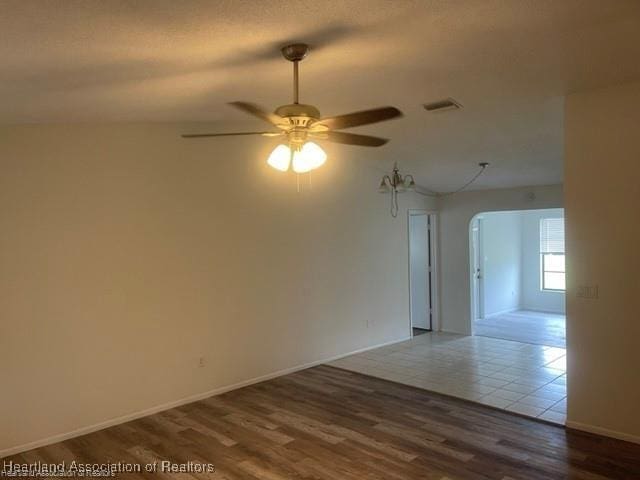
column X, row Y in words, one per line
column 445, row 105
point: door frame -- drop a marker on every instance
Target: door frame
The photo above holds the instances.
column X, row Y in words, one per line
column 476, row 248
column 433, row 258
column 477, row 289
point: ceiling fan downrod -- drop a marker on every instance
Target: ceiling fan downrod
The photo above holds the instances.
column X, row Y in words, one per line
column 295, row 53
column 295, row 82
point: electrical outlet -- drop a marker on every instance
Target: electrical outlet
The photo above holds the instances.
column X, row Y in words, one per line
column 587, row 291
column 201, row 362
column 369, row 322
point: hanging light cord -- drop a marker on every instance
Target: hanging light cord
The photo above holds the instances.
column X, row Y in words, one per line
column 483, row 166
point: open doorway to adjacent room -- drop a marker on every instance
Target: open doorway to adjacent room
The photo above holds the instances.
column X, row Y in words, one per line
column 516, row 360
column 518, row 276
column 422, row 271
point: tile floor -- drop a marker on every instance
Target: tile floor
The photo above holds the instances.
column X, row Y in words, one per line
column 520, row 377
column 525, row 326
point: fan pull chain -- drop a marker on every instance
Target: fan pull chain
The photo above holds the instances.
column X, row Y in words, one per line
column 300, row 185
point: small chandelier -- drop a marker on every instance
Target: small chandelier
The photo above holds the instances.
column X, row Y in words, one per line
column 394, row 184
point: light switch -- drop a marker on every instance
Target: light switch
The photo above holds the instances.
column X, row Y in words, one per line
column 587, row 291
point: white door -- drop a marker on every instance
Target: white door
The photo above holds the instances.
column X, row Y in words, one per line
column 419, row 270
column 476, row 269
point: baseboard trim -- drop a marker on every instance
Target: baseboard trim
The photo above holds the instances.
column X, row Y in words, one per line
column 553, row 312
column 177, row 403
column 502, row 312
column 602, row 431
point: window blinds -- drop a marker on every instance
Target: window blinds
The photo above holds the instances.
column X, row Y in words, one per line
column 552, row 235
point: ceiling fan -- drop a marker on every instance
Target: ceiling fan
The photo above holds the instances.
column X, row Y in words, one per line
column 299, row 123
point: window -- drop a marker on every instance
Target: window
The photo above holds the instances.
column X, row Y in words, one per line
column 552, row 254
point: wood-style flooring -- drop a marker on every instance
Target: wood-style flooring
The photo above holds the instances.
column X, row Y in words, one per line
column 328, row 423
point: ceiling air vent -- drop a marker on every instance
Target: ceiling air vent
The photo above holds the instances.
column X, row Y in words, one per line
column 445, row 105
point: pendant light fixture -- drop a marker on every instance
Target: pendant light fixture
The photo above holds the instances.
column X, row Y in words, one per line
column 394, row 184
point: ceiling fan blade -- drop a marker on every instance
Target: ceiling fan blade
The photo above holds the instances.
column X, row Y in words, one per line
column 199, row 135
column 352, row 139
column 256, row 111
column 356, row 119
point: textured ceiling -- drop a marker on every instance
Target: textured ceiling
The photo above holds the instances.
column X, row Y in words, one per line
column 508, row 62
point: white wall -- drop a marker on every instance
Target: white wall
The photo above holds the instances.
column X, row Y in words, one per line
column 127, row 253
column 533, row 297
column 502, row 258
column 455, row 213
column 602, row 197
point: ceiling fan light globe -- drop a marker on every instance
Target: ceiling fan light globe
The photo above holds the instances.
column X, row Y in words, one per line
column 280, row 158
column 316, row 156
column 310, row 157
column 300, row 165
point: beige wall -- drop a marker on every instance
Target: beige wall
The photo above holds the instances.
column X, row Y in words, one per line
column 602, row 207
column 455, row 213
column 127, row 253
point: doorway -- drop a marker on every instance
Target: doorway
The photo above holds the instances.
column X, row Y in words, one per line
column 517, row 276
column 422, row 271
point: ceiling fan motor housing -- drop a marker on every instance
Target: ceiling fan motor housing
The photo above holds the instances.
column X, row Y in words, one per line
column 298, row 114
